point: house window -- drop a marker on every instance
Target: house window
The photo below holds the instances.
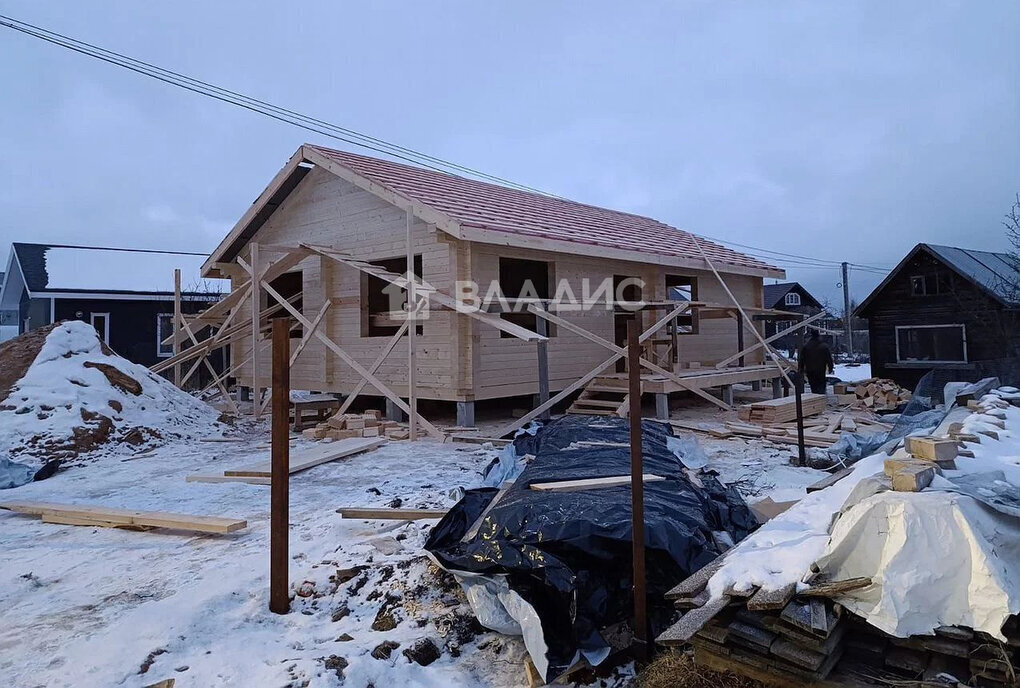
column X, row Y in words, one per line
column 164, row 328
column 101, row 321
column 524, row 279
column 683, row 288
column 931, row 343
column 931, row 284
column 386, row 302
column 793, row 299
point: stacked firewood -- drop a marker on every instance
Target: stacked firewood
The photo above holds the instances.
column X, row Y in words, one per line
column 877, row 394
column 368, row 424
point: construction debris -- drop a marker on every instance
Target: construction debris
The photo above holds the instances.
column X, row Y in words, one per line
column 877, row 394
column 347, row 425
column 300, row 461
column 834, row 590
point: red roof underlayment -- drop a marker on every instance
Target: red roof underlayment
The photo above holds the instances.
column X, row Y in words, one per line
column 490, row 206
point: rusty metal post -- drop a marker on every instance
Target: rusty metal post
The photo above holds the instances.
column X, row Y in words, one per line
column 279, row 526
column 637, row 491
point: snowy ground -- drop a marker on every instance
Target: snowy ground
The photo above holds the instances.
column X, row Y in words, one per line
column 95, row 607
column 852, row 372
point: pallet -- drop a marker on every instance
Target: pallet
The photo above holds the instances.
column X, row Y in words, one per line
column 86, row 515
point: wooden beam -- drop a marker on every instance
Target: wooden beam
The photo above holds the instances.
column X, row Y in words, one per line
column 352, row 362
column 102, row 516
column 591, row 483
column 279, row 473
column 585, row 379
column 256, row 309
column 754, row 347
column 307, row 335
column 381, row 513
column 577, row 329
column 302, row 461
column 736, row 303
column 412, row 335
column 197, row 478
column 177, row 318
column 387, row 350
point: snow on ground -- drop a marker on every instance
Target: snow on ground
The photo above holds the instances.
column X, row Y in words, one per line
column 94, row 606
column 76, row 395
column 88, row 606
column 853, row 372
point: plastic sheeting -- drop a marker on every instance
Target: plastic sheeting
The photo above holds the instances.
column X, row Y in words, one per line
column 13, row 474
column 942, row 557
column 559, row 563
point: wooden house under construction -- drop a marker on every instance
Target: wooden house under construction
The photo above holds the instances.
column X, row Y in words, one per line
column 331, row 236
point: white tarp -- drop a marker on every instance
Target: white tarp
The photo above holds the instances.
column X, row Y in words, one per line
column 935, row 558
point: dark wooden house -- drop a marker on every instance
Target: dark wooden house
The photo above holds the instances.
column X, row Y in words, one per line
column 948, row 309
column 126, row 294
column 794, row 298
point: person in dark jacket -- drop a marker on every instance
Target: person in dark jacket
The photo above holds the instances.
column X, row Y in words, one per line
column 815, row 361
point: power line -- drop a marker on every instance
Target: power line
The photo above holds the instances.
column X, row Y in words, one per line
column 342, row 133
column 253, row 104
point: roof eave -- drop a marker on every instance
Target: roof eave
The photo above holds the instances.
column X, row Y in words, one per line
column 501, row 238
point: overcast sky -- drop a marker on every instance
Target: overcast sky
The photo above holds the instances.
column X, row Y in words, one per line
column 841, row 131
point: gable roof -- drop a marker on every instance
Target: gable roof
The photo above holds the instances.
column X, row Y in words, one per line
column 774, row 293
column 490, row 213
column 997, row 274
column 48, row 269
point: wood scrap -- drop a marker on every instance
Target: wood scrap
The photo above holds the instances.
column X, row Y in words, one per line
column 198, row 478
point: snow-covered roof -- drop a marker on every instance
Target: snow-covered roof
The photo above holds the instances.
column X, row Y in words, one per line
column 50, row 268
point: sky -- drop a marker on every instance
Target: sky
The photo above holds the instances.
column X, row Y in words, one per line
column 839, row 131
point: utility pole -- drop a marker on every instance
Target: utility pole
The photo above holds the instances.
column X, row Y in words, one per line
column 847, row 317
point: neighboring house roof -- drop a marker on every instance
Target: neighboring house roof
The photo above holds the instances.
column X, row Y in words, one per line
column 489, row 213
column 48, row 269
column 997, row 274
column 775, row 295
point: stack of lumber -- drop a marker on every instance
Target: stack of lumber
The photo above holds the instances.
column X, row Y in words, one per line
column 782, row 410
column 347, row 425
column 788, row 639
column 819, row 430
column 878, row 394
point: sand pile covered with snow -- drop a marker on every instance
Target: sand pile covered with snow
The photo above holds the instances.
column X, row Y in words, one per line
column 78, row 396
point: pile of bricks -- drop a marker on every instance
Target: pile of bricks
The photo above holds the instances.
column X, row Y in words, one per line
column 367, row 424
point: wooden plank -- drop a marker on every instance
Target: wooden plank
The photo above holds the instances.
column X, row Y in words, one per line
column 754, row 347
column 177, row 319
column 751, row 323
column 353, row 363
column 693, row 621
column 381, row 513
column 473, row 530
column 300, row 461
column 591, row 483
column 836, row 588
column 772, row 598
column 197, row 478
column 387, row 350
column 830, row 480
column 696, row 582
column 101, row 515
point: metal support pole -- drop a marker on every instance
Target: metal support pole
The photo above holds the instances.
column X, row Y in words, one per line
column 176, row 330
column 847, row 317
column 798, row 386
column 637, row 491
column 279, row 585
column 543, row 365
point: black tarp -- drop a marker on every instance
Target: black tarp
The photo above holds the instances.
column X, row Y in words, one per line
column 568, row 554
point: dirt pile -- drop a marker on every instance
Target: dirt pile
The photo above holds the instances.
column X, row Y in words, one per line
column 65, row 394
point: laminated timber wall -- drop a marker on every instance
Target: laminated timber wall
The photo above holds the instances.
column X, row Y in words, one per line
column 458, row 358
